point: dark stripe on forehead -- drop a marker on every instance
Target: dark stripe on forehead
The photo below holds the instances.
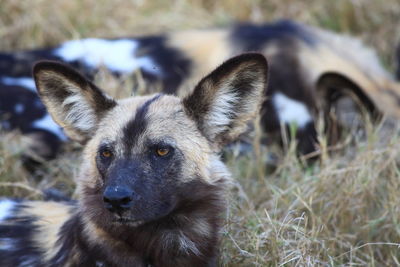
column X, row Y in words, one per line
column 135, row 127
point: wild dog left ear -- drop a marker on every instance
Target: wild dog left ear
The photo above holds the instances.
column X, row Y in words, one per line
column 225, row 100
column 74, row 102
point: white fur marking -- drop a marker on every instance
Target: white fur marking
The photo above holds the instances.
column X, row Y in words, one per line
column 221, row 108
column 291, row 111
column 80, row 114
column 19, row 108
column 116, row 55
column 28, row 83
column 7, row 243
column 48, row 124
column 219, row 116
column 5, row 208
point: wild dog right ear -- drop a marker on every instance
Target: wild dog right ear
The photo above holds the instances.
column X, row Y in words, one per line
column 74, row 103
column 225, row 100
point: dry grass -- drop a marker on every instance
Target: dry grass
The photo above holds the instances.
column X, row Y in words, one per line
column 343, row 211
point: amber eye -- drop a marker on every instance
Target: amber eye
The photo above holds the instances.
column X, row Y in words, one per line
column 162, row 151
column 106, row 153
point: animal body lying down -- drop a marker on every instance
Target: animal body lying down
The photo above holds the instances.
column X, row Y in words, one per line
column 311, row 69
column 151, row 183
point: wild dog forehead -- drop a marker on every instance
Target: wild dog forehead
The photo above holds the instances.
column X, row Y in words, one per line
column 154, row 118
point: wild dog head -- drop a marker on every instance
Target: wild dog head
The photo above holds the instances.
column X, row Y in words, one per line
column 147, row 156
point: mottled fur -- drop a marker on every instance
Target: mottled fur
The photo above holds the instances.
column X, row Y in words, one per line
column 176, row 201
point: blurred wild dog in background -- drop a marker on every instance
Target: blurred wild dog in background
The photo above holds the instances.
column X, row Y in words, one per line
column 313, row 72
column 151, row 184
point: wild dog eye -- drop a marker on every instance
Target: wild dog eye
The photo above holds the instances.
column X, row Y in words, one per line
column 105, row 153
column 162, row 151
column 104, row 158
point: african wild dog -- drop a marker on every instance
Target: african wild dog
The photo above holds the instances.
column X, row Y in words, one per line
column 151, row 185
column 312, row 71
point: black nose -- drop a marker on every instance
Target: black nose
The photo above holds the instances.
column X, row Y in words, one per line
column 117, row 198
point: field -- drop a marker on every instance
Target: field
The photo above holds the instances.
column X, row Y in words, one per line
column 344, row 210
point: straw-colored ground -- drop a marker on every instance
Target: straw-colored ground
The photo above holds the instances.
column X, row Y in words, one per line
column 344, row 210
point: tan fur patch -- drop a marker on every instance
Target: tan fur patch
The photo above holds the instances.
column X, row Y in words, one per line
column 206, row 48
column 51, row 216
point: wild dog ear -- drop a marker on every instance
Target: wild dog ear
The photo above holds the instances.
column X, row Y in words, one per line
column 331, row 86
column 340, row 99
column 74, row 103
column 225, row 100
